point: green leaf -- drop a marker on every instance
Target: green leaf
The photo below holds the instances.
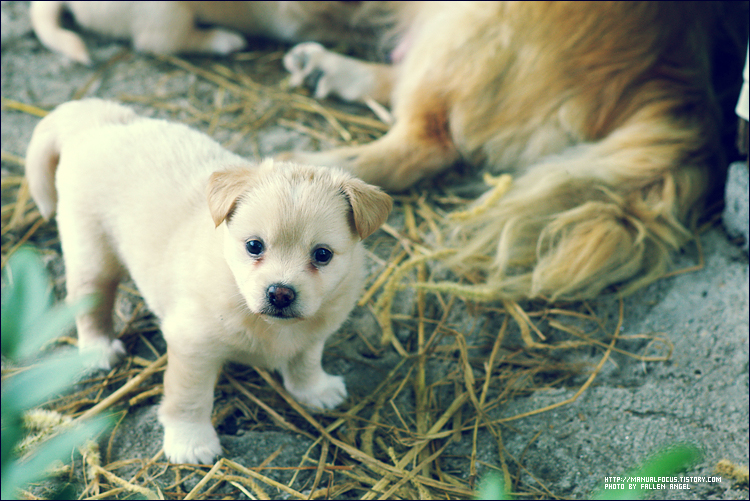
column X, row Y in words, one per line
column 28, row 322
column 34, row 386
column 55, row 322
column 492, row 487
column 27, row 297
column 666, row 462
column 12, row 433
column 57, row 448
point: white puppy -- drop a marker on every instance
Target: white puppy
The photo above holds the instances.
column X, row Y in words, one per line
column 257, row 264
column 173, row 27
column 161, row 27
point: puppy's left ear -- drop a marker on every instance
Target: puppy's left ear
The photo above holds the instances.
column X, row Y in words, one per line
column 223, row 190
column 370, row 206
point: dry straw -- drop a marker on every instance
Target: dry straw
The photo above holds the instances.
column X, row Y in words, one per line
column 392, row 442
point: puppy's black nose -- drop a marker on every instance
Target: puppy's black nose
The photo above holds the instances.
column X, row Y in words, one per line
column 280, row 296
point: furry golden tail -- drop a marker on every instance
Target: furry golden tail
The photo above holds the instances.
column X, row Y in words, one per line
column 596, row 215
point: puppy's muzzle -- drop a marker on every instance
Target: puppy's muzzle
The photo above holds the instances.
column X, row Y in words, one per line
column 280, row 299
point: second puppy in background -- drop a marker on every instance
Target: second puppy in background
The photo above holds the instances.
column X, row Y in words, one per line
column 173, row 27
column 257, row 264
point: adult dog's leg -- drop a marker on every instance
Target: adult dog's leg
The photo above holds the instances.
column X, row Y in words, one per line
column 419, row 145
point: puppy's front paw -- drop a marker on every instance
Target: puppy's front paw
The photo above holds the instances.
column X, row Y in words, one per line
column 106, row 353
column 329, row 392
column 190, row 442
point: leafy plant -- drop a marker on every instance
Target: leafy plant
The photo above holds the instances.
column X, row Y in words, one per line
column 29, row 321
column 492, row 487
column 665, row 462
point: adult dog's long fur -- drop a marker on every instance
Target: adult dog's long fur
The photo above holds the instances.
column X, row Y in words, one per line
column 604, row 112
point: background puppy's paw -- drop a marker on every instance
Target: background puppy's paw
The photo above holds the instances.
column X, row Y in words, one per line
column 310, row 64
column 190, row 442
column 331, row 74
column 106, row 353
column 301, row 60
column 225, row 42
column 329, row 392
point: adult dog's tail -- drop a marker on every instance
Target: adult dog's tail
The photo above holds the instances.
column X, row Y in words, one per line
column 45, row 147
column 598, row 214
column 45, row 19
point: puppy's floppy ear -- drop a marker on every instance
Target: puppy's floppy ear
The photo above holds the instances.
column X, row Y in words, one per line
column 223, row 190
column 370, row 206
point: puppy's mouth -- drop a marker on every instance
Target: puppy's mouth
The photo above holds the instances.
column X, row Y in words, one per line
column 280, row 313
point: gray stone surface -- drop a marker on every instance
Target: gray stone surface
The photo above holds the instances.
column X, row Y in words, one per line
column 736, row 216
column 633, row 408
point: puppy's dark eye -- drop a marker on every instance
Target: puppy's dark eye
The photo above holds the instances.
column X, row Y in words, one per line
column 321, row 255
column 254, row 247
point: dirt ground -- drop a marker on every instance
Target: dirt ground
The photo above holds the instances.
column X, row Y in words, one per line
column 633, row 408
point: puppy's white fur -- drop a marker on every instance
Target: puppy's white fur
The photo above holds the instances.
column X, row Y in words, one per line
column 174, row 209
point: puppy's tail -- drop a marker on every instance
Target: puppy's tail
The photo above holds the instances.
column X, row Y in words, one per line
column 43, row 153
column 45, row 19
column 597, row 215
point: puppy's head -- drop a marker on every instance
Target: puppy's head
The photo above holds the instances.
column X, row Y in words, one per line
column 292, row 233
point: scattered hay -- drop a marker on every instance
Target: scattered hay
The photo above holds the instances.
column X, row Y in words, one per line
column 736, row 472
column 376, row 447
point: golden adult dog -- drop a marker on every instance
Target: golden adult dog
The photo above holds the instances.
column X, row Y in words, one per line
column 257, row 264
column 603, row 112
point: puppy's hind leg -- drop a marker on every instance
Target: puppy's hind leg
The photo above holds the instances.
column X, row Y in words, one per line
column 91, row 267
column 173, row 31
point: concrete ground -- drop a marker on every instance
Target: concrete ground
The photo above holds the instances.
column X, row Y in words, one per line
column 700, row 395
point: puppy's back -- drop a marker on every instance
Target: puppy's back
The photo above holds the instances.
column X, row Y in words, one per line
column 43, row 153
